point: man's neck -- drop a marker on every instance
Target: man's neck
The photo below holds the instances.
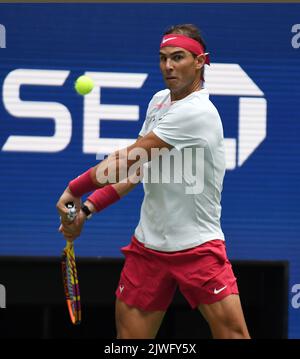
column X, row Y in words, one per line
column 186, row 92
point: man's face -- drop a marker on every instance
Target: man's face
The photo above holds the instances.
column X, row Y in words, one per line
column 180, row 70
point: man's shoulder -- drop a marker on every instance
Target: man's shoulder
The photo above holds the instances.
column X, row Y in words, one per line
column 160, row 95
column 196, row 104
column 159, row 100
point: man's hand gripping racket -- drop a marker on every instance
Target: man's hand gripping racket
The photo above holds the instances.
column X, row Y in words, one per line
column 69, row 272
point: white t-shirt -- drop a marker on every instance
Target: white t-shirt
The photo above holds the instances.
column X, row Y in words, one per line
column 183, row 210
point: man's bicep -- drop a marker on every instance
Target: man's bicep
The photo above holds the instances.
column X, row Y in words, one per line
column 148, row 142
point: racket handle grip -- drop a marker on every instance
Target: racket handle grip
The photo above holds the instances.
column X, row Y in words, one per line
column 69, row 244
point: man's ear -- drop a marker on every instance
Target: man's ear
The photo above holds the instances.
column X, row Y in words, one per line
column 200, row 61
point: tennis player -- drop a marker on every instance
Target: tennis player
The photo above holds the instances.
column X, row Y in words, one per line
column 178, row 240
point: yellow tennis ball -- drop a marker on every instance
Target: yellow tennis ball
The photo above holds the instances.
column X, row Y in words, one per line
column 84, row 85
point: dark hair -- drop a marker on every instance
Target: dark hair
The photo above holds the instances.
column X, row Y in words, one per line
column 191, row 31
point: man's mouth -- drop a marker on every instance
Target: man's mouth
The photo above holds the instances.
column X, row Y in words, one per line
column 170, row 78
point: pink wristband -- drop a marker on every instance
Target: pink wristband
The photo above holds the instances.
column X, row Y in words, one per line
column 104, row 197
column 82, row 184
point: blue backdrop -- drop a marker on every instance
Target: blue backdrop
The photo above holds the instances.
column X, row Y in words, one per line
column 253, row 80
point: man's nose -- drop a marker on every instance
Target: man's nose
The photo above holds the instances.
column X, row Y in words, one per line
column 169, row 64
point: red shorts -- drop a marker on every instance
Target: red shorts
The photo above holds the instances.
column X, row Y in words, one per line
column 149, row 278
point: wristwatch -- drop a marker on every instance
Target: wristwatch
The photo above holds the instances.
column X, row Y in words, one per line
column 86, row 211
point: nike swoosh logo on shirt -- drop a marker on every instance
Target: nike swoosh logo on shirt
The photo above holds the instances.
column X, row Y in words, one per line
column 170, row 38
column 217, row 291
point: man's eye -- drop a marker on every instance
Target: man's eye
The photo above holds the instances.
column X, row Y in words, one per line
column 177, row 57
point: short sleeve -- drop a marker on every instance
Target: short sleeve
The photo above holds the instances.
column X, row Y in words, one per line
column 143, row 130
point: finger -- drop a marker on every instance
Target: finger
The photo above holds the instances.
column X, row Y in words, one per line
column 70, row 231
column 62, row 210
column 65, row 220
column 67, row 225
column 71, row 227
column 68, row 237
column 77, row 221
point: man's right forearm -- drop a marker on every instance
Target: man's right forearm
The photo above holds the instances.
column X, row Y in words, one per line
column 103, row 197
column 124, row 188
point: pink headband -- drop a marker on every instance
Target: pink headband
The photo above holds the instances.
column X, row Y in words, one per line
column 179, row 40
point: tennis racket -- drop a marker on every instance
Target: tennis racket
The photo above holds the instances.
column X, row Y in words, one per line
column 69, row 273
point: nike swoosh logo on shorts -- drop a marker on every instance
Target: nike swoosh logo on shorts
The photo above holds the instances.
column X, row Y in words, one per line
column 217, row 291
column 170, row 38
